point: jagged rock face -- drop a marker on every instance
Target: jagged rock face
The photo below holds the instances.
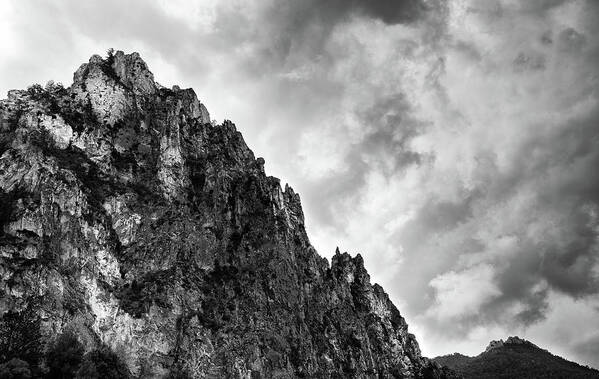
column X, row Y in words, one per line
column 130, row 220
column 514, row 340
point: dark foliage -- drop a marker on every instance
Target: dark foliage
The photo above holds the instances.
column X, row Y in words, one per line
column 107, row 65
column 6, row 200
column 102, row 364
column 56, row 100
column 64, row 357
column 98, row 185
column 516, row 361
column 124, row 161
column 15, row 369
column 137, row 297
column 6, row 138
column 42, row 139
column 20, row 335
column 147, row 194
column 51, row 97
column 177, row 373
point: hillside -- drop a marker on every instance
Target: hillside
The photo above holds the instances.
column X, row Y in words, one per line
column 138, row 239
column 515, row 358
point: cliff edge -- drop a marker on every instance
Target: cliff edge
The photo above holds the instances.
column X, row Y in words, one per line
column 134, row 230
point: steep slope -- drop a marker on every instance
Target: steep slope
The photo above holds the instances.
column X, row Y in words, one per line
column 515, row 358
column 133, row 225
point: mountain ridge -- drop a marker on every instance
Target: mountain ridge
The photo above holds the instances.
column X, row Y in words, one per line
column 515, row 358
column 136, row 232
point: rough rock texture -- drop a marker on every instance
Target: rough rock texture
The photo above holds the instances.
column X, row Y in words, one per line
column 514, row 340
column 130, row 221
column 515, row 358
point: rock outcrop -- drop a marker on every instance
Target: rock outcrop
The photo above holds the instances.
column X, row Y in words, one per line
column 513, row 340
column 132, row 225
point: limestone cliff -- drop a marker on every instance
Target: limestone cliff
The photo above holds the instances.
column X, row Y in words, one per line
column 133, row 225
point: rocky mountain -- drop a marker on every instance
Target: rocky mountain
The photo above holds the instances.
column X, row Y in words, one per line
column 515, row 358
column 139, row 239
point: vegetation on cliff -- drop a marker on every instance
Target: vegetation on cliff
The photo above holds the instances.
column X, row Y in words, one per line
column 140, row 239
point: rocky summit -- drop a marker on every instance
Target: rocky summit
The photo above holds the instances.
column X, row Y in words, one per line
column 515, row 358
column 140, row 239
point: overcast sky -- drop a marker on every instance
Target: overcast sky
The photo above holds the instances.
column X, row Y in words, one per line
column 455, row 145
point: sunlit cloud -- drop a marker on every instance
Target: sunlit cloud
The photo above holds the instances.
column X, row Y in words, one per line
column 453, row 144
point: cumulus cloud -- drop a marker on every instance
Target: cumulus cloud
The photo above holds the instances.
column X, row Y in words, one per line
column 457, row 297
column 453, row 144
column 520, row 159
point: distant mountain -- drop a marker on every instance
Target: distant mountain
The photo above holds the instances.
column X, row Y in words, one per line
column 515, row 358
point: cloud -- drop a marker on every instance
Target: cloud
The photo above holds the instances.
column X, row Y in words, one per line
column 388, row 11
column 456, row 295
column 518, row 166
column 453, row 144
column 562, row 328
column 588, row 348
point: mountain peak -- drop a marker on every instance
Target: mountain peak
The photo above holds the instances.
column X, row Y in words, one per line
column 119, row 84
column 512, row 340
column 133, row 72
column 129, row 70
column 515, row 340
column 130, row 223
column 514, row 358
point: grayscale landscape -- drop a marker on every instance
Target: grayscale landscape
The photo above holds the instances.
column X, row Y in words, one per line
column 288, row 189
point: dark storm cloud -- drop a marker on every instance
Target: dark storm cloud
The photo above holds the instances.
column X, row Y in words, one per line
column 517, row 283
column 391, row 130
column 523, row 224
column 278, row 30
column 420, row 132
column 298, row 30
column 540, row 6
column 561, row 169
column 437, row 215
column 568, row 160
column 557, row 167
column 388, row 128
column 388, row 11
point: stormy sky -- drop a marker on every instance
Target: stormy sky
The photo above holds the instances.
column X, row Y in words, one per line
column 455, row 145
